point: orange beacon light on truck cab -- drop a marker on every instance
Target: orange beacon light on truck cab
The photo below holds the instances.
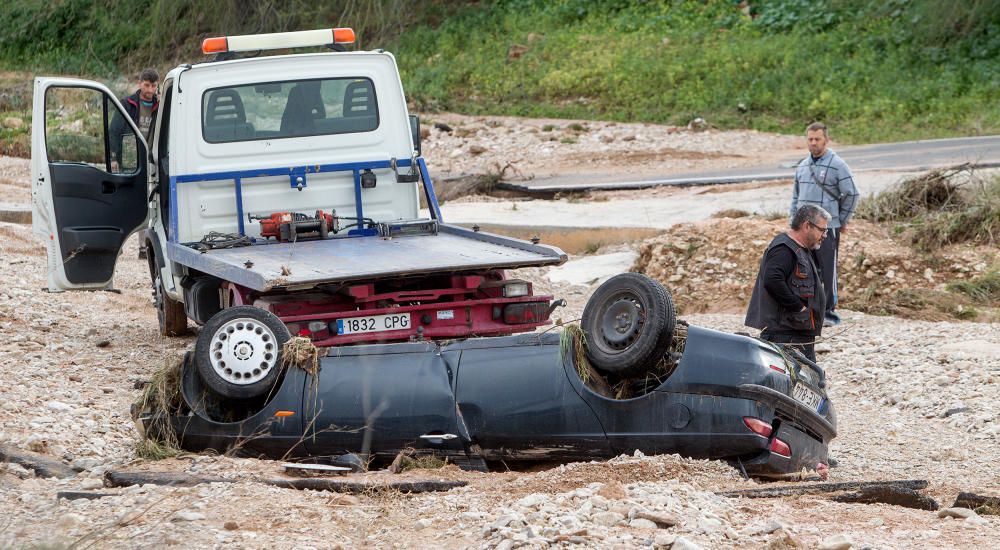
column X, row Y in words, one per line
column 278, row 40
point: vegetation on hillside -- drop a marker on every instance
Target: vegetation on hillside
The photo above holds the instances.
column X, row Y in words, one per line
column 874, row 69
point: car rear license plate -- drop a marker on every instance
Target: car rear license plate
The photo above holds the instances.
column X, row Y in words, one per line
column 806, row 396
column 373, row 323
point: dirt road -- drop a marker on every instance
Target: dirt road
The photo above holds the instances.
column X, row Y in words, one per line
column 916, row 400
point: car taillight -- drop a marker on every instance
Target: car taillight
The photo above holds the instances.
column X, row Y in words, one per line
column 758, row 426
column 779, row 447
column 780, row 369
column 529, row 312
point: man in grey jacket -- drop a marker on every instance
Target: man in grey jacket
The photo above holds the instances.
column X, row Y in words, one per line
column 823, row 179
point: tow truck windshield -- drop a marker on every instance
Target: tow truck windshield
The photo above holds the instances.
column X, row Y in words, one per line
column 296, row 108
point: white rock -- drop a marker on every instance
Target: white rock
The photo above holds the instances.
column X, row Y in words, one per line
column 424, row 523
column 532, row 501
column 681, row 543
column 91, row 484
column 836, row 542
column 640, row 523
column 189, row 516
column 960, row 513
column 664, row 539
column 608, row 519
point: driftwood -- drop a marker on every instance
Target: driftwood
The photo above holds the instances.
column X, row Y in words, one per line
column 124, row 479
column 356, row 487
column 42, row 465
column 872, row 490
column 982, row 504
column 897, row 496
column 85, row 495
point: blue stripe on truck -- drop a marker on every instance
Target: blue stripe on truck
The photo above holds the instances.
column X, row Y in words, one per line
column 293, row 172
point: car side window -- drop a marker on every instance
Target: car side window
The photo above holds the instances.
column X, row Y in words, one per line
column 83, row 126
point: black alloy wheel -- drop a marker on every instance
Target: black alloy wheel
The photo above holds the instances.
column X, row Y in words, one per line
column 629, row 324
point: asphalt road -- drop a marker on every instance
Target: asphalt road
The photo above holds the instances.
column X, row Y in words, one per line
column 906, row 156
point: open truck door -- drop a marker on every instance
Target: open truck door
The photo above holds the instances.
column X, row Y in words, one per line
column 89, row 189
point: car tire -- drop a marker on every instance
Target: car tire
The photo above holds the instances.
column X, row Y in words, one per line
column 169, row 312
column 238, row 352
column 629, row 323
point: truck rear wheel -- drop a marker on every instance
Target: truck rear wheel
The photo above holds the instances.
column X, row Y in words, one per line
column 169, row 312
column 629, row 323
column 238, row 352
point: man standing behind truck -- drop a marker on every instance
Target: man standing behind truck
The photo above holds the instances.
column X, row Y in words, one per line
column 141, row 108
column 823, row 179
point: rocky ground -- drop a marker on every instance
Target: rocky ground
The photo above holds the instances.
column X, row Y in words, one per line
column 916, row 400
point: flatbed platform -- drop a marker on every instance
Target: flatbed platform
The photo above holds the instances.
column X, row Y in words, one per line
column 275, row 266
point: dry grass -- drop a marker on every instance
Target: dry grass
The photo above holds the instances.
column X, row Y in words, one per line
column 162, row 399
column 939, row 208
column 412, row 459
column 573, row 340
column 921, row 303
column 576, row 240
column 984, row 289
column 731, row 213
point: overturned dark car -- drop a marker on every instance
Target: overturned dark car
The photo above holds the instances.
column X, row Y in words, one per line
column 630, row 379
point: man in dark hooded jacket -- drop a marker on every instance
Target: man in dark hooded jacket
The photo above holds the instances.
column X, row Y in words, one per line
column 141, row 108
column 788, row 301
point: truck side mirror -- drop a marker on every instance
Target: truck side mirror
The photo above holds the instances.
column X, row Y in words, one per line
column 415, row 132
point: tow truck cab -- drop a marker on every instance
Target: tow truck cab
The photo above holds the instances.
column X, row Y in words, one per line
column 291, row 183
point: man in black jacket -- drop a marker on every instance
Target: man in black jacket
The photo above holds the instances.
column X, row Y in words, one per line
column 788, row 300
column 141, row 108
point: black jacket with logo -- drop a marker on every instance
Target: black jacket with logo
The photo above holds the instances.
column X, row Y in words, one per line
column 785, row 283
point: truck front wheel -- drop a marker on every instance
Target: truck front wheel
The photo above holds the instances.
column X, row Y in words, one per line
column 169, row 312
column 238, row 352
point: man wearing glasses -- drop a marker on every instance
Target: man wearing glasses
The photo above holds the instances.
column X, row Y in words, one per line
column 824, row 179
column 789, row 300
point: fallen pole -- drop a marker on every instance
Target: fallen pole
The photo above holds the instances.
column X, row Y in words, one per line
column 42, row 465
column 124, row 479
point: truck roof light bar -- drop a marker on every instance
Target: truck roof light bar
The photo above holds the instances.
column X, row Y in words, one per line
column 277, row 41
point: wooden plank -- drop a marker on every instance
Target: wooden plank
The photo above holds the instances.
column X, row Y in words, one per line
column 819, row 488
column 114, row 478
column 43, row 466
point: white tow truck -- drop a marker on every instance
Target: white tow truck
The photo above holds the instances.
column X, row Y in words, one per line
column 281, row 194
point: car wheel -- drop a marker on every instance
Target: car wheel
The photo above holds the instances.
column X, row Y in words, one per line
column 169, row 312
column 238, row 351
column 628, row 322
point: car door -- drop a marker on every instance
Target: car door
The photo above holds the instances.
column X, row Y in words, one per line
column 380, row 400
column 84, row 206
column 517, row 402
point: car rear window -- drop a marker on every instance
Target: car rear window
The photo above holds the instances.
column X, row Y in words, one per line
column 276, row 110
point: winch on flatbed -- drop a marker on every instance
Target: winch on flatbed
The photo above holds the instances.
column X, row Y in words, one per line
column 290, row 226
